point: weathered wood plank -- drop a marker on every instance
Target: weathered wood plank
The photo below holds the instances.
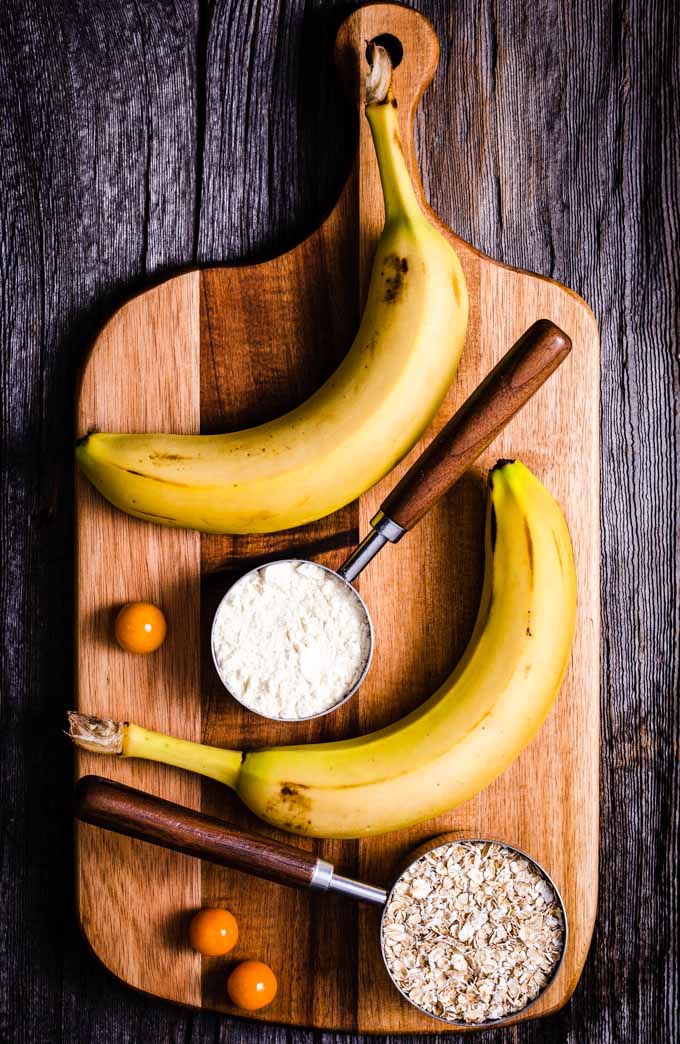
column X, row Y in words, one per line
column 549, row 139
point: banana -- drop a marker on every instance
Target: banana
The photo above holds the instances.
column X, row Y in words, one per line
column 356, row 427
column 453, row 745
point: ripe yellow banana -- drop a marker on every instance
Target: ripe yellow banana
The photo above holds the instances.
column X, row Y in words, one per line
column 452, row 746
column 355, row 428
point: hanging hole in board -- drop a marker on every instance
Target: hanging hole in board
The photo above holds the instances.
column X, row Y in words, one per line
column 391, row 44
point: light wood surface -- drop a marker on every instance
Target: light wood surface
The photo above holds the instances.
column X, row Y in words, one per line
column 152, row 383
column 260, row 340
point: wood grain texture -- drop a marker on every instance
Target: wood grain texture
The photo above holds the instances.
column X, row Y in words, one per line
column 547, row 802
column 495, row 401
column 138, row 137
column 146, row 377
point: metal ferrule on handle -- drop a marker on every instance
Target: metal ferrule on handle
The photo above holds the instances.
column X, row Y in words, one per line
column 325, row 879
column 384, row 531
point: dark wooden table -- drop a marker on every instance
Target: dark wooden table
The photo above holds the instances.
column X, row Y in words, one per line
column 143, row 135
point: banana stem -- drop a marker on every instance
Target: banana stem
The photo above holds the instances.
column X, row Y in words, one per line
column 381, row 111
column 132, row 741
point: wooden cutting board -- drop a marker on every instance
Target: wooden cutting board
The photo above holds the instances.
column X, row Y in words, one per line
column 225, row 348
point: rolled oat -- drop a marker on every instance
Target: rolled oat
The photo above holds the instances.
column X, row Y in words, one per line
column 472, row 932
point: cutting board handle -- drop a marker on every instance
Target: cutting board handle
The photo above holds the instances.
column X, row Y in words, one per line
column 408, row 37
column 419, row 45
column 137, row 814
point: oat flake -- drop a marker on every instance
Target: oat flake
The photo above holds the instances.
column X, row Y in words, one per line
column 472, row 932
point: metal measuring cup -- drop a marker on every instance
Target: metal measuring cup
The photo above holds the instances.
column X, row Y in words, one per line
column 134, row 813
column 504, row 391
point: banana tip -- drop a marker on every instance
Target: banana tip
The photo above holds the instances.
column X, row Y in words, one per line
column 82, row 442
column 504, row 462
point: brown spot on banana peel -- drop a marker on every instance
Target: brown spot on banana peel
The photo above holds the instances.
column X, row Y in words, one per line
column 162, row 457
column 296, row 810
column 292, row 789
column 394, row 283
column 298, row 804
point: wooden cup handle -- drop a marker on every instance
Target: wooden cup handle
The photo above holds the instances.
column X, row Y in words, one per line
column 504, row 391
column 135, row 813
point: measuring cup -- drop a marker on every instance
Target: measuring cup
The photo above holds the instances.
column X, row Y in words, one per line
column 146, row 817
column 505, row 390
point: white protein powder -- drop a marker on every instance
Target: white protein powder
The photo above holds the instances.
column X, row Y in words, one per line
column 290, row 639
